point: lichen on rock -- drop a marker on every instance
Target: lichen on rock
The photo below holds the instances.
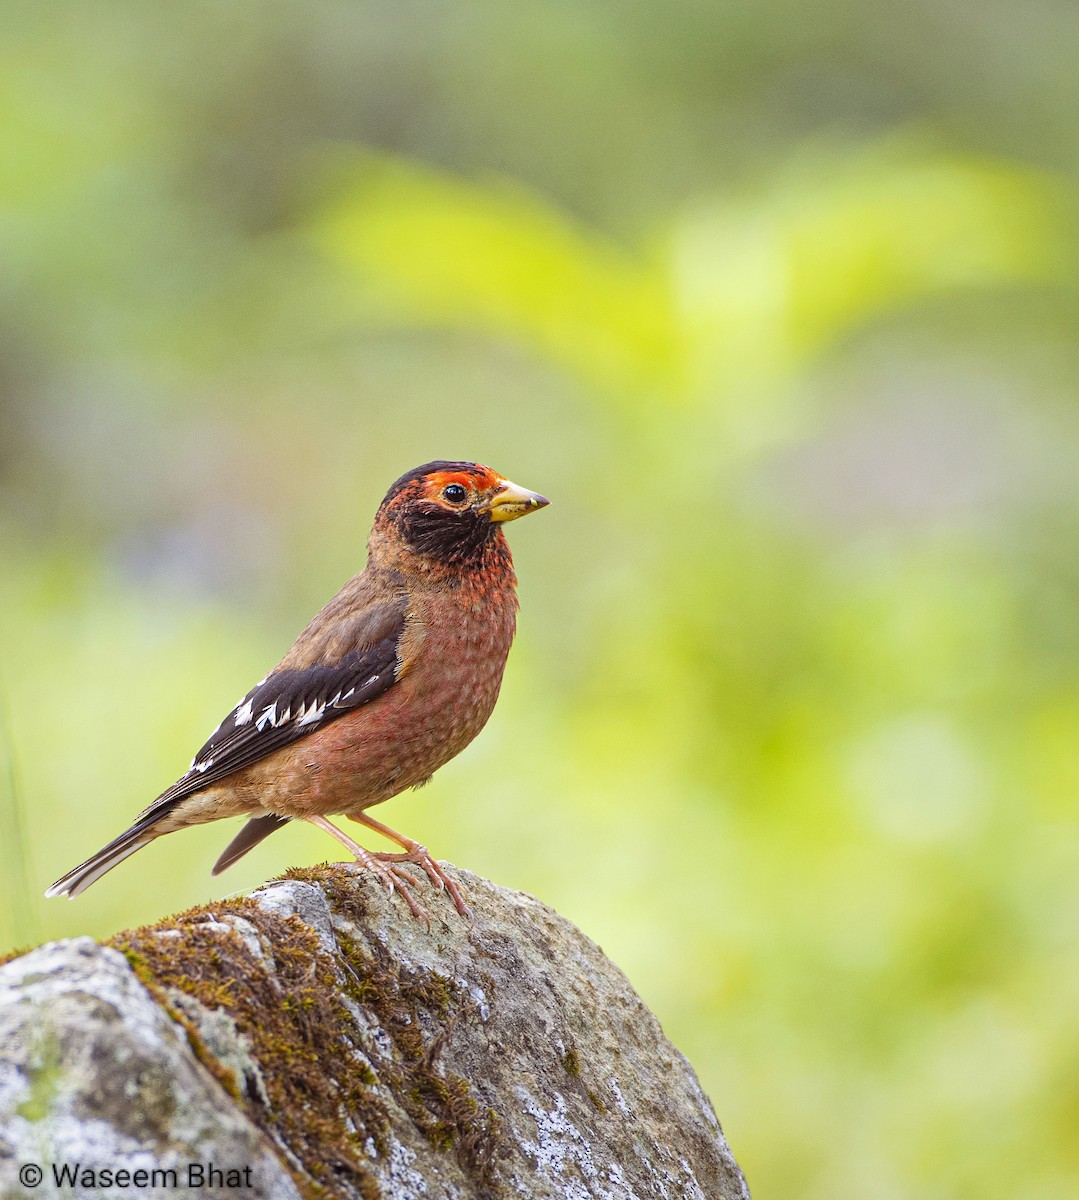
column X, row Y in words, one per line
column 316, row 1032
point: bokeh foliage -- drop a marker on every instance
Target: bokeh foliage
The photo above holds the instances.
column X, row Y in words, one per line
column 783, row 318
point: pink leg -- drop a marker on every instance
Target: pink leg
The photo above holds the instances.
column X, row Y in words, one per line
column 394, row 879
column 415, row 853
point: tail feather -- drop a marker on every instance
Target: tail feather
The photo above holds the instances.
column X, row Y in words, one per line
column 144, row 831
column 252, row 833
column 81, row 877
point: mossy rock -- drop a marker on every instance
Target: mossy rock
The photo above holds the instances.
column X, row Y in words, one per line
column 317, row 1034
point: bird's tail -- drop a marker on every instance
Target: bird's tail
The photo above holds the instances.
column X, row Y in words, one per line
column 79, row 879
column 247, row 839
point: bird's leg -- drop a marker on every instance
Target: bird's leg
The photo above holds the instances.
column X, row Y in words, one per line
column 391, row 877
column 414, row 853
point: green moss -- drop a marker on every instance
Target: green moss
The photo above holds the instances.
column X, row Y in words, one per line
column 339, row 888
column 572, row 1062
column 45, row 1073
column 11, row 955
column 293, row 1021
column 405, row 1003
column 322, row 1101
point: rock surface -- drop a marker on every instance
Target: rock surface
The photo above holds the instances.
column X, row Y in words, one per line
column 315, row 1040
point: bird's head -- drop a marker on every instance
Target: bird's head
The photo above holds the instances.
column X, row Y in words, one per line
column 450, row 511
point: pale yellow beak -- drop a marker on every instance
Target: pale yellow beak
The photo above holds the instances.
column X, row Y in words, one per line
column 511, row 502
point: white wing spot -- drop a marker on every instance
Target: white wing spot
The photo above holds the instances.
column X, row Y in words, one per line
column 268, row 716
column 244, row 714
column 313, row 714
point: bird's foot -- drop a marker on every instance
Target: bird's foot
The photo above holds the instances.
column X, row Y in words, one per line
column 394, row 877
column 421, row 857
column 417, row 854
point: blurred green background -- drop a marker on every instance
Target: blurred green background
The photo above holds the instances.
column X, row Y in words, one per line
column 780, row 307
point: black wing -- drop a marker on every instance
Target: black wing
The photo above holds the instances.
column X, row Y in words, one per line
column 285, row 706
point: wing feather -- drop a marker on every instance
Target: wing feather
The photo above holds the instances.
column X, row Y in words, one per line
column 291, row 703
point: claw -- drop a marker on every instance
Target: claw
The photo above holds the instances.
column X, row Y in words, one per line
column 421, row 858
column 401, row 883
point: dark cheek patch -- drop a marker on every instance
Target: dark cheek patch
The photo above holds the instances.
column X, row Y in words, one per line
column 451, row 537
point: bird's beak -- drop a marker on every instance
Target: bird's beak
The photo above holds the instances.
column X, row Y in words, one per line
column 511, row 502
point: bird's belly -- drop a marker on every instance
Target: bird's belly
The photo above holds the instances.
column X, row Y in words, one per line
column 400, row 739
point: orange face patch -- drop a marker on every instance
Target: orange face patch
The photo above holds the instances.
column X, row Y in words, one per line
column 478, row 479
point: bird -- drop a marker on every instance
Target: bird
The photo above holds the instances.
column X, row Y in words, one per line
column 387, row 683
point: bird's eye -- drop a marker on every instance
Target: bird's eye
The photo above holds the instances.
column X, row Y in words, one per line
column 455, row 493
